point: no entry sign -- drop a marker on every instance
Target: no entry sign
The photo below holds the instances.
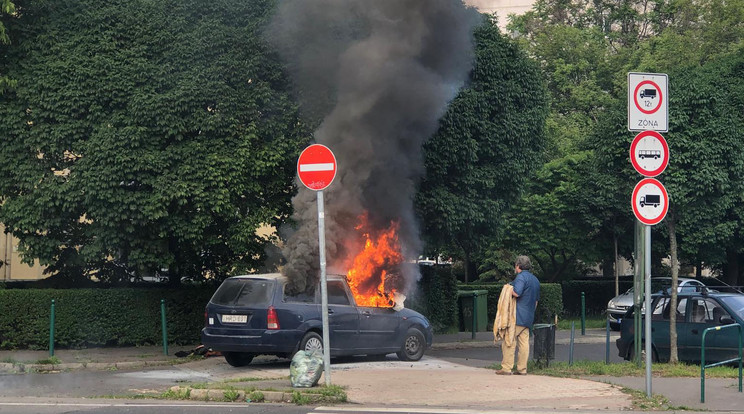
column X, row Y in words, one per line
column 650, row 201
column 316, row 167
column 649, row 153
column 647, row 102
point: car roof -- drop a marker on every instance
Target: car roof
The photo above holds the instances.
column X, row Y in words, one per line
column 279, row 276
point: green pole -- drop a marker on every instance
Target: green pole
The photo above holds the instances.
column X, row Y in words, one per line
column 583, row 314
column 51, row 331
column 165, row 329
column 475, row 313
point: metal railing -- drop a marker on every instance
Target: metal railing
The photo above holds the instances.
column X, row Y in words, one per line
column 702, row 357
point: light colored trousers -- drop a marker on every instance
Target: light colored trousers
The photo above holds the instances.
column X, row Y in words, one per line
column 522, row 341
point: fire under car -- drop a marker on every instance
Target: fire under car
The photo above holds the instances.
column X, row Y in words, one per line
column 253, row 315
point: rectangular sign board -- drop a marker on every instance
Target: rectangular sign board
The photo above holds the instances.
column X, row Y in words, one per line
column 648, row 98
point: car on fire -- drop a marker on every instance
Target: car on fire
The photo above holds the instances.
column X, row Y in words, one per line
column 255, row 315
column 695, row 312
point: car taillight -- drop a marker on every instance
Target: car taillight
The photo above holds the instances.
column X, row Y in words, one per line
column 205, row 316
column 271, row 319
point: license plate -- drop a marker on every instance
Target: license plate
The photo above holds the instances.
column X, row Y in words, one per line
column 234, row 318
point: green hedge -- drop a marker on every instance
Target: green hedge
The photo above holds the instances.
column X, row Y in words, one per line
column 100, row 317
column 596, row 295
column 437, row 297
column 550, row 303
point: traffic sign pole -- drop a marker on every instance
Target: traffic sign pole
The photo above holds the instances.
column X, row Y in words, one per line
column 316, row 168
column 648, row 111
column 324, row 290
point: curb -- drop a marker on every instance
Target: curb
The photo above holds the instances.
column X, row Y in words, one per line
column 19, row 367
column 241, row 396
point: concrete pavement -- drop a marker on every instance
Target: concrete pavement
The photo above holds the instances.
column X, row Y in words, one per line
column 429, row 382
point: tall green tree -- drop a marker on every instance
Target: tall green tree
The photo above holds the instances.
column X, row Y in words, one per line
column 145, row 136
column 7, row 9
column 488, row 142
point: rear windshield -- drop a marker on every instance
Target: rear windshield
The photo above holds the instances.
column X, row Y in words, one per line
column 244, row 292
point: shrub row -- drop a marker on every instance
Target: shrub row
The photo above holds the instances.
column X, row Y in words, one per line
column 549, row 305
column 596, row 295
column 437, row 297
column 100, row 317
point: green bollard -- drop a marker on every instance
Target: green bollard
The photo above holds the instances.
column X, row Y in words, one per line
column 165, row 329
column 475, row 314
column 51, row 331
column 583, row 315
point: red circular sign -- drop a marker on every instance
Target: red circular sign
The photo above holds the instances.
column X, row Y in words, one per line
column 316, row 167
column 651, row 157
column 650, row 201
column 636, row 95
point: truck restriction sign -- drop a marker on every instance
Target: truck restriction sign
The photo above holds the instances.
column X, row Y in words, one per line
column 650, row 201
column 647, row 102
column 649, row 153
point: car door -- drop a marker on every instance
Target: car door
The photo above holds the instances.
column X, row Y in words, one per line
column 660, row 334
column 719, row 345
column 377, row 329
column 343, row 319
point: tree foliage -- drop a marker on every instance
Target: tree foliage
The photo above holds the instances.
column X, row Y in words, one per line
column 487, row 144
column 144, row 136
column 7, row 9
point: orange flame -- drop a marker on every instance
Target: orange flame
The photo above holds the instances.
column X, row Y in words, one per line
column 371, row 266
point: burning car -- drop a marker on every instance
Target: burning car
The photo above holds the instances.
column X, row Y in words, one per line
column 255, row 314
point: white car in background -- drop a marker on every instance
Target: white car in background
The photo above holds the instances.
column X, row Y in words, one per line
column 618, row 305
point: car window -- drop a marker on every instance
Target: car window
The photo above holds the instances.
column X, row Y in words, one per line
column 659, row 308
column 682, row 303
column 302, row 297
column 735, row 303
column 244, row 292
column 707, row 311
column 337, row 294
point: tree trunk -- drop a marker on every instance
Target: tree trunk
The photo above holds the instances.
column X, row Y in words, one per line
column 617, row 276
column 731, row 271
column 673, row 354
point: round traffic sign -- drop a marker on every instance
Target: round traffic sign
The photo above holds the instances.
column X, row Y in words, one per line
column 650, row 201
column 316, row 167
column 649, row 153
column 650, row 95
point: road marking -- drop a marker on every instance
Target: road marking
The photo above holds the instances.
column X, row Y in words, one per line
column 409, row 410
column 10, row 404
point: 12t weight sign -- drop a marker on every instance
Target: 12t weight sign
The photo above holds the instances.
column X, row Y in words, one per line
column 647, row 102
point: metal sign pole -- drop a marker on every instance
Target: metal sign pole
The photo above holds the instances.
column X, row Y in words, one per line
column 324, row 290
column 638, row 279
column 648, row 311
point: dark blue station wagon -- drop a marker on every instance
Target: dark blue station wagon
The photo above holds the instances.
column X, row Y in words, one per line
column 252, row 315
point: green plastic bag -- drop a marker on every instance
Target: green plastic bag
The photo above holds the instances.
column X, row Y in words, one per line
column 305, row 369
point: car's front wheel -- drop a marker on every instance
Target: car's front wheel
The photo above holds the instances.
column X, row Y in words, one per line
column 413, row 346
column 238, row 359
column 311, row 342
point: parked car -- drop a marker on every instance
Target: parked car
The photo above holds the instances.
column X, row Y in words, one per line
column 618, row 305
column 254, row 314
column 695, row 312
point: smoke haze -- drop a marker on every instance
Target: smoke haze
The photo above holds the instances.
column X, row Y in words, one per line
column 379, row 73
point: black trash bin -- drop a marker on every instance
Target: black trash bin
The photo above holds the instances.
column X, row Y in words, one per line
column 544, row 343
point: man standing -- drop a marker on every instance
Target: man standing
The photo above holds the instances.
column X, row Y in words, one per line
column 527, row 292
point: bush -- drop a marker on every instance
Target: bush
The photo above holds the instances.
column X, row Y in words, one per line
column 438, row 297
column 100, row 317
column 550, row 302
column 596, row 295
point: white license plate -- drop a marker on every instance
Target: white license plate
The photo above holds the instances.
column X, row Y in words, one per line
column 234, row 318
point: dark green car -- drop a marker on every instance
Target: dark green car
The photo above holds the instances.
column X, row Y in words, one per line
column 695, row 312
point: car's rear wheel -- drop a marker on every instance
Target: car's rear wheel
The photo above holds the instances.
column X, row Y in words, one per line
column 238, row 359
column 311, row 342
column 413, row 346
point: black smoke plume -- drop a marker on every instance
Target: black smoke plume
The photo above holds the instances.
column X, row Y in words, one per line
column 379, row 73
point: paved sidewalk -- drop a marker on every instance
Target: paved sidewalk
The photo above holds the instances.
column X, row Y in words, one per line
column 430, row 382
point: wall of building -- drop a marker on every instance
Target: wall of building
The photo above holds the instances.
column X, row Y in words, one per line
column 502, row 8
column 12, row 268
